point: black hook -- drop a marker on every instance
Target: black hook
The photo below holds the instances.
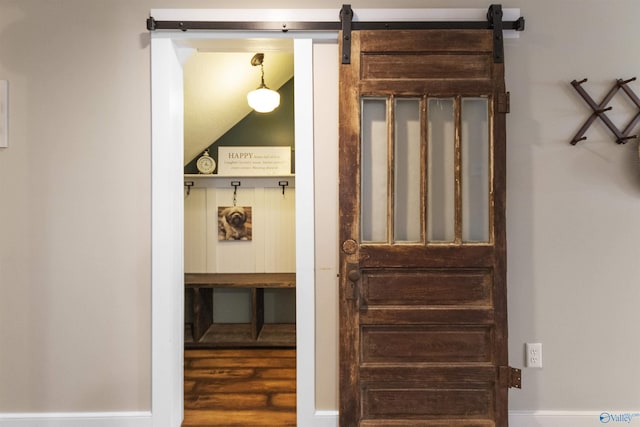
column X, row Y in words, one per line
column 602, row 110
column 624, row 82
column 188, row 185
column 235, row 185
column 624, row 139
column 283, row 184
column 576, row 140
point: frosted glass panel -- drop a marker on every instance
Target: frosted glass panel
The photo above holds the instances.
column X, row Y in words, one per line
column 475, row 170
column 374, row 169
column 441, row 170
column 407, row 222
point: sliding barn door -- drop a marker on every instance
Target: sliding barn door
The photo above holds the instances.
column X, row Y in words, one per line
column 423, row 314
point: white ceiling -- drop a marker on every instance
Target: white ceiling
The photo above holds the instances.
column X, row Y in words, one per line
column 216, row 81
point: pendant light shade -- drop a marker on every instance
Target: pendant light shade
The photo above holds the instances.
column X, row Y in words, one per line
column 263, row 99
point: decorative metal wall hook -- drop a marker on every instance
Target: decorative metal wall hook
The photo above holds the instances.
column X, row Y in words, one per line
column 188, row 185
column 283, row 184
column 235, row 185
column 600, row 109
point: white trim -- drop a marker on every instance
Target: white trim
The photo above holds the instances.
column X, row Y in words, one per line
column 77, row 419
column 566, row 418
column 522, row 418
column 167, row 229
column 325, row 419
column 305, row 230
column 320, row 419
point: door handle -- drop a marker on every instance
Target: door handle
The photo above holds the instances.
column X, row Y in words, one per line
column 353, row 274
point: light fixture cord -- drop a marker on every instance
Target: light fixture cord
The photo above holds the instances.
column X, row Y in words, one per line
column 262, row 77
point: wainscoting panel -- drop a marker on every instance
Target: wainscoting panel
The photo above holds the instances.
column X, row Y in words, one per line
column 272, row 245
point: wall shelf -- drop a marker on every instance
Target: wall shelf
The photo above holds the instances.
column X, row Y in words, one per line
column 203, row 332
column 223, row 180
column 220, row 181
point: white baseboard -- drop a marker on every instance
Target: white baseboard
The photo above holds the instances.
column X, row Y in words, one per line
column 535, row 418
column 77, row 419
column 573, row 418
column 325, row 419
column 321, row 419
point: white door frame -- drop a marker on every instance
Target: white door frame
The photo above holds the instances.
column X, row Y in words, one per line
column 168, row 51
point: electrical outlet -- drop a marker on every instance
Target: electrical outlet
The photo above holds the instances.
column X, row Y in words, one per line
column 533, row 355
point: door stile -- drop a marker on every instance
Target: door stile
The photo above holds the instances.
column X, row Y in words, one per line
column 500, row 243
column 349, row 229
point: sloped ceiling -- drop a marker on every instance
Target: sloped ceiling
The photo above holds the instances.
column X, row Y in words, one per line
column 216, row 81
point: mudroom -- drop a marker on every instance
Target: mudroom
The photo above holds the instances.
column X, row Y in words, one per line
column 239, row 245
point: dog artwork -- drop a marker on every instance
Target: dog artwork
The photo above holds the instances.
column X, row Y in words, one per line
column 234, row 223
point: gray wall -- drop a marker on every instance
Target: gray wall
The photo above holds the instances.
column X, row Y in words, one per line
column 75, row 206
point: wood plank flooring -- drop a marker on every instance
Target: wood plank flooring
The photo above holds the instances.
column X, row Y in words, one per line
column 240, row 387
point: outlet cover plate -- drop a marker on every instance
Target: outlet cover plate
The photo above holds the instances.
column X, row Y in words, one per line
column 533, row 355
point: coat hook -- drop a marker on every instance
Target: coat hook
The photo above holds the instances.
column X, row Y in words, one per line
column 235, row 185
column 624, row 82
column 624, row 139
column 599, row 110
column 283, row 184
column 576, row 140
column 188, row 185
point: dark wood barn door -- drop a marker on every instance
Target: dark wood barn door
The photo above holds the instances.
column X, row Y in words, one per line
column 423, row 314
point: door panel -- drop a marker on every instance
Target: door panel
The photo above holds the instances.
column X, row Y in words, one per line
column 409, row 343
column 375, row 66
column 430, row 287
column 422, row 291
column 462, row 403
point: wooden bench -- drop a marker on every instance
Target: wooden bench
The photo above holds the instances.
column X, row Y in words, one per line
column 205, row 333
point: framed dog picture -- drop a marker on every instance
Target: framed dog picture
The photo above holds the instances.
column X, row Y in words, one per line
column 234, row 223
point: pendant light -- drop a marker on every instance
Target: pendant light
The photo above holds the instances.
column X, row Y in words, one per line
column 263, row 99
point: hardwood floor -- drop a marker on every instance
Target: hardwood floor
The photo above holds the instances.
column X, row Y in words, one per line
column 240, row 387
